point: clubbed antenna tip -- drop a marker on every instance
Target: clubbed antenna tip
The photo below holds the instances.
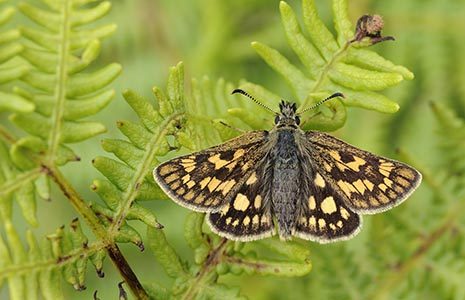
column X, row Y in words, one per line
column 338, row 94
column 242, row 92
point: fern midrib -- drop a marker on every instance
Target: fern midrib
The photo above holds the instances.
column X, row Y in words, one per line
column 138, row 178
column 52, row 263
column 324, row 72
column 19, row 181
column 62, row 77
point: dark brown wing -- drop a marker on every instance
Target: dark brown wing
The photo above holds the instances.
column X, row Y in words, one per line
column 248, row 216
column 207, row 180
column 367, row 183
column 324, row 216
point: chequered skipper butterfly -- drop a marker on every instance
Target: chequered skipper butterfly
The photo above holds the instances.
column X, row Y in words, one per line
column 296, row 183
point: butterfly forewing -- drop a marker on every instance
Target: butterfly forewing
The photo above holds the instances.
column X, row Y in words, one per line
column 368, row 183
column 207, row 180
column 247, row 216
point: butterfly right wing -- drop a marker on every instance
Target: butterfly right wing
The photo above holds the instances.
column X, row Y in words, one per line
column 207, row 180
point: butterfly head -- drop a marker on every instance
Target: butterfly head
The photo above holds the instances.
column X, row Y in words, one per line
column 287, row 116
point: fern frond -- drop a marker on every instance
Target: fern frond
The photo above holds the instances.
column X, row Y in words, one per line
column 10, row 68
column 58, row 51
column 331, row 64
column 131, row 179
column 39, row 269
column 216, row 257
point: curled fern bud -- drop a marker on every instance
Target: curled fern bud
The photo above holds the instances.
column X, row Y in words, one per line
column 370, row 27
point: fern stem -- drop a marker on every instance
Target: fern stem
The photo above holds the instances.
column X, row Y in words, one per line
column 126, row 272
column 214, row 257
column 100, row 231
column 19, row 181
column 6, row 136
column 326, row 69
column 79, row 204
column 62, row 76
column 144, row 168
column 65, row 259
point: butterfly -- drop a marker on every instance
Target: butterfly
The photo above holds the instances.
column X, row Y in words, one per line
column 306, row 184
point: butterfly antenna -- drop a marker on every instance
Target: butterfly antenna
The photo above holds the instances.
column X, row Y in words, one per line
column 323, row 101
column 239, row 91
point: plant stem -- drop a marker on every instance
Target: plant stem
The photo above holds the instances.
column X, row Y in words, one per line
column 213, row 259
column 100, row 232
column 126, row 272
column 6, row 136
column 19, row 181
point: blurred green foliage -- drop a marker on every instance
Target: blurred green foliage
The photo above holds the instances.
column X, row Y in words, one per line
column 412, row 252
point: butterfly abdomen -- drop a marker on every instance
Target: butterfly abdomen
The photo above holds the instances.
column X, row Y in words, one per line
column 285, row 186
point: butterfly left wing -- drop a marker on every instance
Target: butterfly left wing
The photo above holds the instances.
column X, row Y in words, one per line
column 366, row 182
column 207, row 180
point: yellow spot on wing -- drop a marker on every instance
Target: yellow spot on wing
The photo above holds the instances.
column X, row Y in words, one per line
column 226, row 186
column 407, row 173
column 328, row 206
column 356, row 164
column 334, row 154
column 321, row 223
column 388, row 182
column 213, row 184
column 339, row 224
column 241, row 202
column 346, row 187
column 171, row 178
column 344, row 213
column 311, row 202
column 360, row 186
column 252, row 179
column 189, row 195
column 382, row 187
column 219, row 163
column 228, row 220
column 257, row 202
column 238, row 153
column 312, row 221
column 384, row 172
column 190, row 184
column 319, row 181
column 204, row 182
column 246, row 220
column 224, row 210
column 235, row 223
column 368, row 184
column 190, row 169
column 186, row 178
column 255, row 219
column 166, row 169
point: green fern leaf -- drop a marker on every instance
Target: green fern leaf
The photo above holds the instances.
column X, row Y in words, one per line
column 331, row 64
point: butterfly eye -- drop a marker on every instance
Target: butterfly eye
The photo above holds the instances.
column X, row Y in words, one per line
column 297, row 120
column 276, row 120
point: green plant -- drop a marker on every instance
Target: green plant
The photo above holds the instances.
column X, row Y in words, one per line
column 53, row 90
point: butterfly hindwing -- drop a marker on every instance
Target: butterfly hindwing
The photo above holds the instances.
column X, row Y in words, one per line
column 368, row 183
column 324, row 216
column 247, row 216
column 205, row 181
